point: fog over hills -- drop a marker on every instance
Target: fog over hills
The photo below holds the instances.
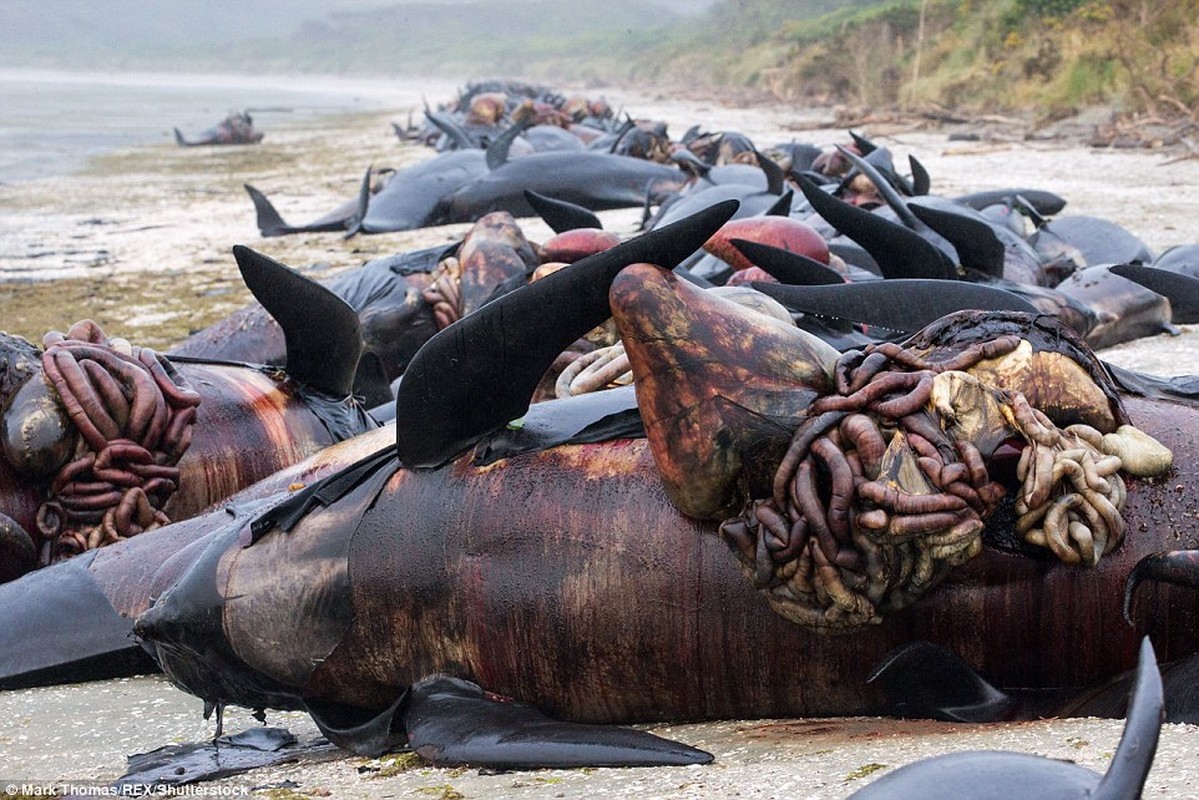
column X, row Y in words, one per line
column 43, row 32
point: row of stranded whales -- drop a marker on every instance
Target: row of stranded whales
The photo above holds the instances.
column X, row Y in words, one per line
column 495, row 253
column 395, row 319
column 711, row 522
column 587, row 451
column 483, row 109
column 386, row 292
column 465, row 183
column 879, row 223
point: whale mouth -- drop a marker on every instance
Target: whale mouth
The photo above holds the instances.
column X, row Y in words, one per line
column 850, row 487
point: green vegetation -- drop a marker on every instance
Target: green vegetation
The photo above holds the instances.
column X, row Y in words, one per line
column 1054, row 56
column 863, row 771
column 396, row 764
column 441, row 792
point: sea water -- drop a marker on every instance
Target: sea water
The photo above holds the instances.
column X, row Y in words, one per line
column 52, row 122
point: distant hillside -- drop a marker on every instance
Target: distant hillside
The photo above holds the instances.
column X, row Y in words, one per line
column 1050, row 56
column 432, row 38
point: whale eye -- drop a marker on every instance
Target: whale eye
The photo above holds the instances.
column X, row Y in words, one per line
column 36, row 434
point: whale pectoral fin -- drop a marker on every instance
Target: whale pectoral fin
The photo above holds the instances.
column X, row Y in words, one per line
column 1001, row 774
column 927, row 681
column 1179, row 388
column 451, row 721
column 362, row 732
column 322, row 331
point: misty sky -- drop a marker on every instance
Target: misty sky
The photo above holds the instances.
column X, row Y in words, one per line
column 80, row 23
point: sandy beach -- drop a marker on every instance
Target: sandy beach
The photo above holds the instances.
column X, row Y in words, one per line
column 139, row 240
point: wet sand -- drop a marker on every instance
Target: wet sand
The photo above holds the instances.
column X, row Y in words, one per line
column 140, row 241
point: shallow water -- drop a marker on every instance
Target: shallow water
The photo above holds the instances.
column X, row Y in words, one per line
column 53, row 122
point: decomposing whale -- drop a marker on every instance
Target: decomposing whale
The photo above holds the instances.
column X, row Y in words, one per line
column 111, row 589
column 400, row 301
column 102, row 440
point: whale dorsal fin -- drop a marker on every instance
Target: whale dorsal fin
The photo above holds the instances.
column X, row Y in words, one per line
column 782, row 206
column 561, row 215
column 505, row 347
column 354, row 223
column 921, row 182
column 497, row 151
column 270, row 221
column 864, row 145
column 322, row 331
column 786, row 266
column 1134, row 755
column 453, row 131
column 886, row 189
column 896, row 304
column 975, row 240
column 1180, row 289
column 775, row 179
column 898, row 251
